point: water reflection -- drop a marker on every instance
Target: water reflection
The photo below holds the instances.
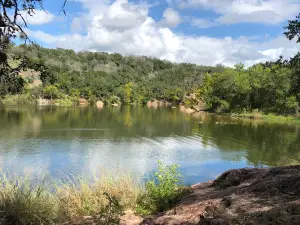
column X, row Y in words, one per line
column 60, row 141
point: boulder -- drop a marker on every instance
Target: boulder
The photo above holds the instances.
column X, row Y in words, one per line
column 197, row 108
column 83, row 102
column 100, row 104
column 161, row 103
column 43, row 102
column 152, row 104
column 189, row 111
column 168, row 104
column 186, row 110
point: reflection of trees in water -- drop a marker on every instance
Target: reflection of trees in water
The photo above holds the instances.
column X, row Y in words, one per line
column 264, row 143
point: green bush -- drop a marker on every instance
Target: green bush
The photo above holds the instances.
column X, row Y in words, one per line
column 92, row 100
column 67, row 101
column 162, row 192
column 190, row 102
column 111, row 214
column 51, row 92
column 22, row 99
column 220, row 105
column 113, row 100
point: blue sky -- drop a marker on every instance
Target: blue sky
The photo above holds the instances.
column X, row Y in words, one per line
column 205, row 32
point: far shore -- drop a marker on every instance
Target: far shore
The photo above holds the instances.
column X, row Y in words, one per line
column 154, row 104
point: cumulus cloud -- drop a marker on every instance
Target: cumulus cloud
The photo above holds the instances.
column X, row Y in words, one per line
column 253, row 11
column 128, row 29
column 39, row 17
column 171, row 18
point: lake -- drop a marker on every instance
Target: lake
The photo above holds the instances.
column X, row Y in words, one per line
column 62, row 141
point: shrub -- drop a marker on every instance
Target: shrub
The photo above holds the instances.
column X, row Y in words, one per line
column 22, row 99
column 162, row 192
column 51, row 92
column 190, row 102
column 92, row 100
column 114, row 100
column 74, row 93
column 110, row 215
column 220, row 105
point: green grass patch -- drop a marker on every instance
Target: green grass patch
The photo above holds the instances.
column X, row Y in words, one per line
column 268, row 117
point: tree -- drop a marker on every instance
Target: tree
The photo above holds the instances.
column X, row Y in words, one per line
column 293, row 29
column 12, row 22
column 51, row 91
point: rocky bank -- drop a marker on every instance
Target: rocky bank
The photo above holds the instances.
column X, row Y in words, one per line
column 238, row 197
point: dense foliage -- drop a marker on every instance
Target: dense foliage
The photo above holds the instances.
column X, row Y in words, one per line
column 269, row 87
column 102, row 75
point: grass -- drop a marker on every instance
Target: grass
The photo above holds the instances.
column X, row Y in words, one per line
column 24, row 203
column 85, row 197
column 268, row 117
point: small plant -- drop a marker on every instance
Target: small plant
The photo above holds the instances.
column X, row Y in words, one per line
column 162, row 192
column 110, row 215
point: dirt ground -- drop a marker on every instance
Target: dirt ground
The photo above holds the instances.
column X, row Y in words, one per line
column 238, row 197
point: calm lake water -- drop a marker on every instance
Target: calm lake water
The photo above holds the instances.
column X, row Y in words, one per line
column 86, row 141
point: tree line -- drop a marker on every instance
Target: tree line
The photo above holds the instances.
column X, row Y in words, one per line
column 271, row 87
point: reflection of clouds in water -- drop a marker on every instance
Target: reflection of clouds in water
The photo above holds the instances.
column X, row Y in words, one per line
column 140, row 156
column 37, row 157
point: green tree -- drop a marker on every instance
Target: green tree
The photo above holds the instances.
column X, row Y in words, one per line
column 51, row 92
column 128, row 93
column 293, row 29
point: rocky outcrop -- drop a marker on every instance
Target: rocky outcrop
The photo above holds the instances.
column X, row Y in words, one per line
column 152, row 104
column 44, row 102
column 186, row 110
column 83, row 102
column 156, row 103
column 237, row 197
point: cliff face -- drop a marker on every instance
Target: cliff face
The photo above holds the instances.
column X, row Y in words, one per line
column 244, row 196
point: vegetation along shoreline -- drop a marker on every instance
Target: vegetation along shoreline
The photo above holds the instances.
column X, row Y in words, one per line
column 240, row 196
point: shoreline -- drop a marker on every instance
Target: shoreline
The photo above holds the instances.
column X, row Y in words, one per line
column 240, row 196
column 271, row 117
column 267, row 117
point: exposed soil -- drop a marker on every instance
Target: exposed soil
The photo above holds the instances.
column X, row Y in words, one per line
column 238, row 197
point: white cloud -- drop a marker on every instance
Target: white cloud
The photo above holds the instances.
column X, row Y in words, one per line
column 255, row 11
column 147, row 37
column 39, row 17
column 171, row 18
column 202, row 23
